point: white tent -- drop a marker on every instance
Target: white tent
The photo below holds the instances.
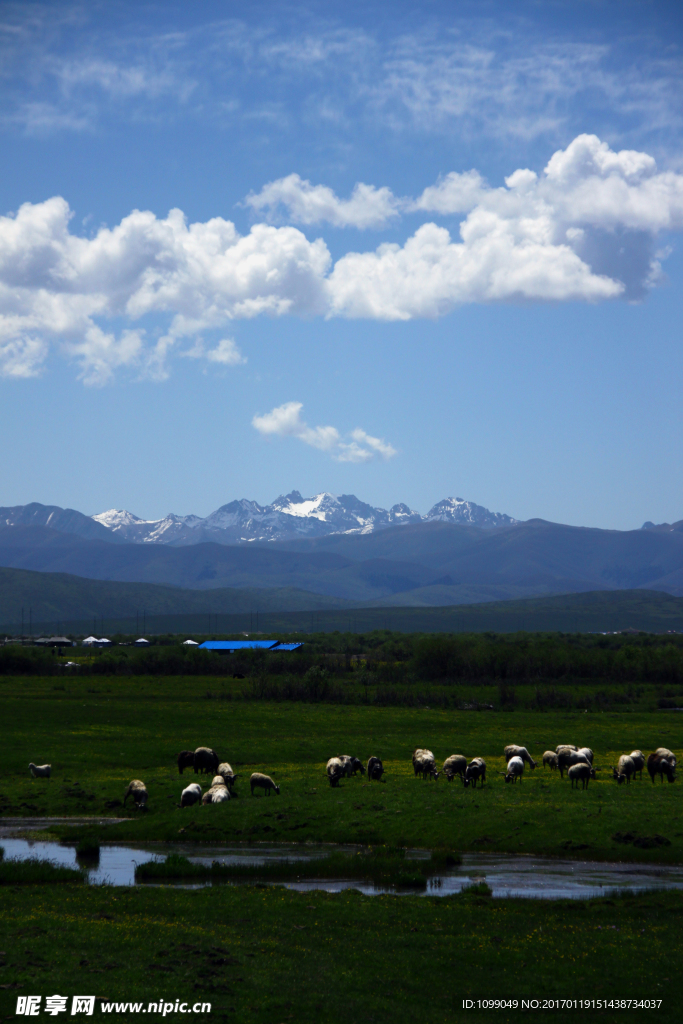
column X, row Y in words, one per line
column 141, row 642
column 91, row 640
column 193, row 643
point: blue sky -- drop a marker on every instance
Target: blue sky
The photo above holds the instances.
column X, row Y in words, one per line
column 418, row 251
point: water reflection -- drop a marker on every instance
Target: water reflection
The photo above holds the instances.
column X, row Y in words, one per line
column 505, row 875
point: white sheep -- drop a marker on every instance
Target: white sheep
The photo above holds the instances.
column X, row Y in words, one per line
column 512, row 750
column 192, row 794
column 587, row 752
column 665, row 754
column 565, row 746
column 40, row 771
column 638, row 758
column 584, row 772
column 335, row 771
column 138, row 790
column 550, row 759
column 567, row 758
column 625, row 769
column 218, row 780
column 515, row 770
column 216, row 794
column 454, row 765
column 227, row 774
column 424, row 764
column 260, row 781
column 351, row 765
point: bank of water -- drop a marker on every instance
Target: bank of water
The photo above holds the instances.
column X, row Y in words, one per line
column 521, row 876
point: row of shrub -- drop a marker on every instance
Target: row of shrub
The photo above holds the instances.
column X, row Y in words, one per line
column 391, row 659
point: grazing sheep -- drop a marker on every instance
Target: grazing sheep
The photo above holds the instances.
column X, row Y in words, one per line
column 565, row 746
column 514, row 751
column 588, row 753
column 625, row 769
column 138, row 790
column 351, row 765
column 216, row 794
column 260, row 781
column 227, row 774
column 40, row 771
column 667, row 755
column 185, row 760
column 335, row 770
column 584, row 772
column 550, row 760
column 567, row 758
column 638, row 758
column 454, row 765
column 206, row 761
column 375, row 768
column 423, row 764
column 476, row 769
column 515, row 770
column 192, row 794
column 661, row 766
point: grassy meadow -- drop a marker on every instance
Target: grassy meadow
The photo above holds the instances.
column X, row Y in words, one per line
column 266, row 955
column 270, row 956
column 99, row 737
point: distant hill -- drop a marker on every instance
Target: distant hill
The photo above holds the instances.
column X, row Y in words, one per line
column 59, row 597
column 430, row 564
column 602, row 611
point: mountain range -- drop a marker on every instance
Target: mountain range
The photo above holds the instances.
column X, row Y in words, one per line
column 290, row 516
column 416, row 564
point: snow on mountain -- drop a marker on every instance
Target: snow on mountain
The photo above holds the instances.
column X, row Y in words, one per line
column 457, row 510
column 288, row 517
column 115, row 518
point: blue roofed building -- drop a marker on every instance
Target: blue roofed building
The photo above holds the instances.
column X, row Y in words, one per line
column 229, row 646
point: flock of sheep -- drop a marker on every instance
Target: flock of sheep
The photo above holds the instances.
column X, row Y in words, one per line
column 577, row 761
column 204, row 760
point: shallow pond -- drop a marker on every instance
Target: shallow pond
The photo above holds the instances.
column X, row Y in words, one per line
column 505, row 875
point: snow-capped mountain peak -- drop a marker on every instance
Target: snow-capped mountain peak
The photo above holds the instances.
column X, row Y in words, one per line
column 288, row 517
column 115, row 518
column 457, row 510
column 320, row 506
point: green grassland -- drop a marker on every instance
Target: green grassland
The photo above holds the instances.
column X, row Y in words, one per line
column 98, row 737
column 267, row 955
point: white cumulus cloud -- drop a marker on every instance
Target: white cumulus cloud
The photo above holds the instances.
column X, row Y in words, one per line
column 57, row 286
column 303, row 203
column 285, row 421
column 585, row 228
